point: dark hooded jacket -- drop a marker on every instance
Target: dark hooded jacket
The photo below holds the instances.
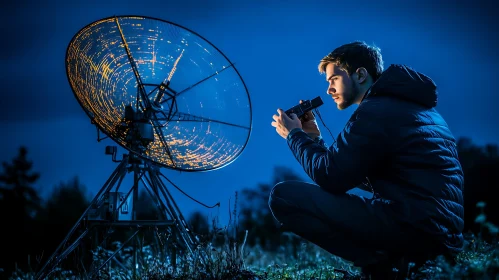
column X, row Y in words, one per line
column 398, row 140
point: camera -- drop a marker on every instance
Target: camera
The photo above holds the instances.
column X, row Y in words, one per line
column 305, row 106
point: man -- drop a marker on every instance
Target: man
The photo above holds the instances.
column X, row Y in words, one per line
column 397, row 144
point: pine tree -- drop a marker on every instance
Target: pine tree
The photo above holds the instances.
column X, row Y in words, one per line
column 19, row 205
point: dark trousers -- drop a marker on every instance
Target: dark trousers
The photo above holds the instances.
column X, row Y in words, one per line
column 358, row 229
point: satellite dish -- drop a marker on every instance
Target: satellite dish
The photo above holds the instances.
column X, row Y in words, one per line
column 161, row 91
column 168, row 96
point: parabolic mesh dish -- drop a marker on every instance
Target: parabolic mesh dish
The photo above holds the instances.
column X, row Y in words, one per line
column 205, row 119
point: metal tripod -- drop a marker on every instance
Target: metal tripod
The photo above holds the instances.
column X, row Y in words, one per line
column 149, row 175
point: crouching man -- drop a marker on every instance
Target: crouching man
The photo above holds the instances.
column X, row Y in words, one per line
column 398, row 145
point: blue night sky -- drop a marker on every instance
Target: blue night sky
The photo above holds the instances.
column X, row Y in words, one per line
column 275, row 45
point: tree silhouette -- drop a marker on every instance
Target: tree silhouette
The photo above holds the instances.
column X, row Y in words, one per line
column 16, row 187
column 63, row 208
column 480, row 166
column 255, row 215
column 19, row 206
column 199, row 225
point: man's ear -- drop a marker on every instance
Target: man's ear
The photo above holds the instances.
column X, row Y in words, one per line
column 361, row 75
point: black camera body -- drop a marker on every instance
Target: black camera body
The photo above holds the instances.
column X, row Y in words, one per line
column 305, row 106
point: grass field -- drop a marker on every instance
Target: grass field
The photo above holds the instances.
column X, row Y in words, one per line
column 480, row 260
column 224, row 258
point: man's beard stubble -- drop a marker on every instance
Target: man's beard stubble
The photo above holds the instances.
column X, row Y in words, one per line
column 350, row 97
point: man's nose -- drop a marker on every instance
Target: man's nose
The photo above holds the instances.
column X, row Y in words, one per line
column 331, row 90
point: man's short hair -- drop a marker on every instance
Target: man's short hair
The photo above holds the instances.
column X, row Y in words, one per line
column 352, row 56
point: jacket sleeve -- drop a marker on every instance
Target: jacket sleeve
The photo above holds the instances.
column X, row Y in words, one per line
column 360, row 148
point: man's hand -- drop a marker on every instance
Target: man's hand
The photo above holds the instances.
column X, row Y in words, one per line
column 309, row 124
column 284, row 124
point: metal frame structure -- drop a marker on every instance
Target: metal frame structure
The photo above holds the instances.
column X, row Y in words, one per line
column 143, row 171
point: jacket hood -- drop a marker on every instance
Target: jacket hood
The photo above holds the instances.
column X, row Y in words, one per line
column 403, row 82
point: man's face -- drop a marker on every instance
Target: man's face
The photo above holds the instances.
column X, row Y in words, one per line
column 341, row 87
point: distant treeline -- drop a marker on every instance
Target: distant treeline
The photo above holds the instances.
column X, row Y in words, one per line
column 32, row 228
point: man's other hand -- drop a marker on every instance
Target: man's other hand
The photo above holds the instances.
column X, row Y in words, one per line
column 309, row 124
column 284, row 124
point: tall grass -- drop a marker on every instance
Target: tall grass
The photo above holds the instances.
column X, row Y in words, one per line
column 226, row 257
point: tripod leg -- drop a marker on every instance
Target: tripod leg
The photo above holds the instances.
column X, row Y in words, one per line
column 182, row 227
column 117, row 173
column 134, row 217
column 150, row 186
column 114, row 254
column 71, row 247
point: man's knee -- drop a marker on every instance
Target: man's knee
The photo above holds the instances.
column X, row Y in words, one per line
column 281, row 197
column 273, row 192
